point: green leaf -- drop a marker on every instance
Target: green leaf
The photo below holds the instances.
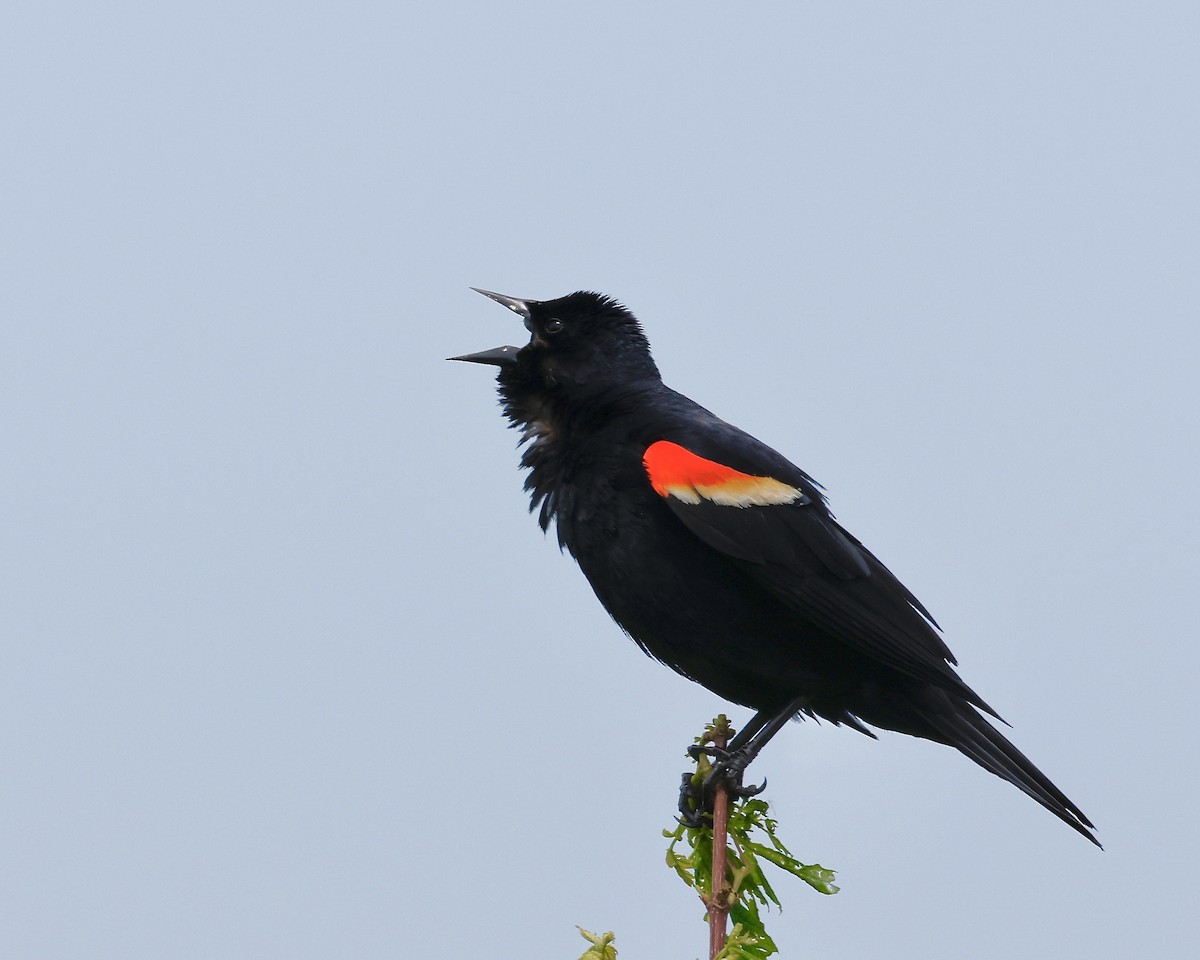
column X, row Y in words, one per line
column 743, row 944
column 601, row 948
column 815, row 875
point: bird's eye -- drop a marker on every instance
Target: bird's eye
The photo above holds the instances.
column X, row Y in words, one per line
column 553, row 325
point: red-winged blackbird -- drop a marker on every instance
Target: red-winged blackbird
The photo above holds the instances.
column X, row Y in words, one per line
column 718, row 556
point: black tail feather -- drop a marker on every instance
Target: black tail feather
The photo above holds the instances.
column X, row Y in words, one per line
column 959, row 726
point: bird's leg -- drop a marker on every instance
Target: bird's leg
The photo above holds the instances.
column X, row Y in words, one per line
column 730, row 763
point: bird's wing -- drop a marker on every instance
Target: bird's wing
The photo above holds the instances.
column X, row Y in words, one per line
column 785, row 538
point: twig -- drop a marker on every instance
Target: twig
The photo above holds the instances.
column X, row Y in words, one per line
column 718, row 903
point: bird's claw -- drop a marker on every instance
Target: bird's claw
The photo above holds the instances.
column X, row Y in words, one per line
column 691, row 804
column 728, row 768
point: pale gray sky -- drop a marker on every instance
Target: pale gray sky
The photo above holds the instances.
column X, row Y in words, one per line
column 287, row 671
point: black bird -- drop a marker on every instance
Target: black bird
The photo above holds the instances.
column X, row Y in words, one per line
column 718, row 556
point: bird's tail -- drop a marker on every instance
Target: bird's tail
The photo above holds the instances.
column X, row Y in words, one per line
column 958, row 725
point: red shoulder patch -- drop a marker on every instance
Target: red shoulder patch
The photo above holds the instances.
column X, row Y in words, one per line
column 675, row 471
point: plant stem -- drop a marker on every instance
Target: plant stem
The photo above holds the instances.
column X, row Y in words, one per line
column 718, row 904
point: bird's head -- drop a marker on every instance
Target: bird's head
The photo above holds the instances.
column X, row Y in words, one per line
column 582, row 343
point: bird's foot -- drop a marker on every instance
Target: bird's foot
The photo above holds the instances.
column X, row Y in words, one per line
column 727, row 769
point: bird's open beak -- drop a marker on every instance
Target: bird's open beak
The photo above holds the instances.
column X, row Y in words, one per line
column 497, row 356
column 500, row 356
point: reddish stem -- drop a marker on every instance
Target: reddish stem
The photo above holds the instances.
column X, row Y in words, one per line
column 718, row 904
